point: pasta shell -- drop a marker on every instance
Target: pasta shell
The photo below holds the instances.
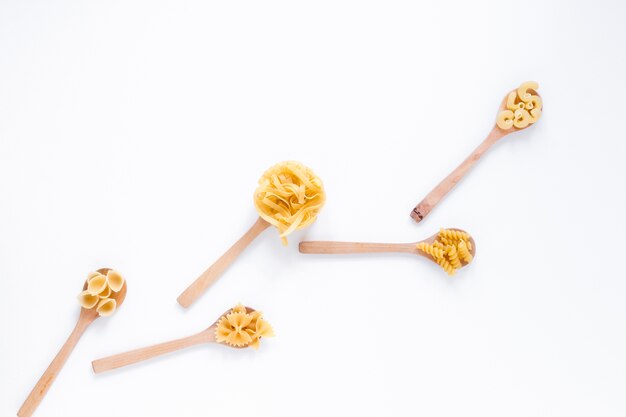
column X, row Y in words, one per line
column 106, row 307
column 97, row 284
column 115, row 280
column 106, row 293
column 87, row 300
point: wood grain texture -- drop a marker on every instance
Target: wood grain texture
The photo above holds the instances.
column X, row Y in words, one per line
column 45, row 382
column 142, row 354
column 208, row 277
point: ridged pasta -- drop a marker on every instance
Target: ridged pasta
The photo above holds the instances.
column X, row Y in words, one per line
column 450, row 249
column 464, row 252
column 242, row 329
column 523, row 108
column 289, row 196
column 99, row 291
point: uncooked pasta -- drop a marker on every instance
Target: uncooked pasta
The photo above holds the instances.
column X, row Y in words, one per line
column 523, row 107
column 100, row 290
column 289, row 196
column 451, row 249
column 240, row 328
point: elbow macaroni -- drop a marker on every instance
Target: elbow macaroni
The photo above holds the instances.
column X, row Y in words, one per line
column 523, row 107
column 451, row 249
column 100, row 289
column 289, row 196
column 239, row 328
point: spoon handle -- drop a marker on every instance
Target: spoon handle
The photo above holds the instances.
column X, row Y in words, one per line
column 326, row 247
column 43, row 385
column 439, row 192
column 208, row 277
column 142, row 354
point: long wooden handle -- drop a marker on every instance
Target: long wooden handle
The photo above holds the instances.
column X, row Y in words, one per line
column 43, row 385
column 142, row 354
column 208, row 277
column 326, row 247
column 439, row 192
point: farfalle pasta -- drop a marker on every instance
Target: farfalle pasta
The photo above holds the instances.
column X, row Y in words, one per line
column 240, row 328
column 523, row 107
column 289, row 196
column 99, row 291
column 451, row 249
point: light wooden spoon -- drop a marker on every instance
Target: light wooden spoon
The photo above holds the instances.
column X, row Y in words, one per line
column 85, row 318
column 208, row 277
column 328, row 247
column 142, row 354
column 439, row 192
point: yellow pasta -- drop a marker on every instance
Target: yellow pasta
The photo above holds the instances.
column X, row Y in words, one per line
column 106, row 307
column 87, row 300
column 289, row 196
column 242, row 329
column 523, row 107
column 100, row 290
column 464, row 252
column 451, row 249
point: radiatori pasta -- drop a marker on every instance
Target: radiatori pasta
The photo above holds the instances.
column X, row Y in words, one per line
column 100, row 289
column 523, row 107
column 289, row 196
column 240, row 328
column 451, row 249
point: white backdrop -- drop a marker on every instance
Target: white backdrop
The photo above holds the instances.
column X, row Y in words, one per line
column 132, row 134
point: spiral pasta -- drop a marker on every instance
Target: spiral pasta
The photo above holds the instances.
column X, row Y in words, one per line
column 523, row 107
column 99, row 291
column 451, row 249
column 240, row 328
column 289, row 196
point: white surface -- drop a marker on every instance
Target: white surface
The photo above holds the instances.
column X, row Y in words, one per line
column 132, row 134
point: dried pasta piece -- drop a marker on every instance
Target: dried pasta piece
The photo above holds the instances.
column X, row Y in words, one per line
column 522, row 118
column 115, row 280
column 522, row 90
column 106, row 307
column 446, row 265
column 97, row 284
column 464, row 252
column 453, row 256
column 241, row 329
column 87, row 300
column 522, row 107
column 431, row 250
column 289, row 196
column 106, row 293
column 453, row 234
column 505, row 119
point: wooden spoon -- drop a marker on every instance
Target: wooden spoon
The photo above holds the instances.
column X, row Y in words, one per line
column 85, row 318
column 142, row 354
column 327, row 247
column 439, row 192
column 208, row 277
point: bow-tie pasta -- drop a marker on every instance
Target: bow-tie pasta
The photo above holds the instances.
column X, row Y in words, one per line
column 100, row 291
column 240, row 328
column 523, row 107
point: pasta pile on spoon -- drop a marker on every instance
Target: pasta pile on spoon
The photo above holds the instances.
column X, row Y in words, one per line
column 289, row 196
